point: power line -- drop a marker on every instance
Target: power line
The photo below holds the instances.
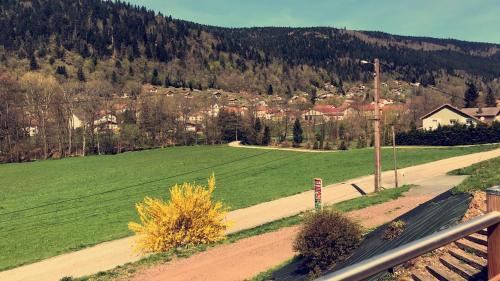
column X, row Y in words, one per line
column 119, row 208
column 141, row 192
column 127, row 187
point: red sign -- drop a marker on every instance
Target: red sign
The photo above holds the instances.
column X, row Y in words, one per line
column 318, row 185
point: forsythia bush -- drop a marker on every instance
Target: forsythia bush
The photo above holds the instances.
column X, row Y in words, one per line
column 189, row 218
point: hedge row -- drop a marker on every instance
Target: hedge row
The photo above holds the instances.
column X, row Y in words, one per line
column 452, row 135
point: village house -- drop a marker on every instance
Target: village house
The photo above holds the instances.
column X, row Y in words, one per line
column 447, row 115
column 321, row 113
column 75, row 122
column 238, row 110
column 106, row 122
column 485, row 114
column 261, row 111
column 196, row 118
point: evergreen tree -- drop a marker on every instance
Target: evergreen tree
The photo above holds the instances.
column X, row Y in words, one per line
column 313, row 96
column 288, row 92
column 471, row 95
column 297, row 133
column 80, row 74
column 114, row 78
column 257, row 126
column 490, row 99
column 155, row 80
column 33, row 63
column 228, row 124
column 270, row 90
column 61, row 70
column 167, row 82
column 266, row 139
column 341, row 87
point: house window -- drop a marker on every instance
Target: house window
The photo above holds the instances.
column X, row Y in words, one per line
column 453, row 121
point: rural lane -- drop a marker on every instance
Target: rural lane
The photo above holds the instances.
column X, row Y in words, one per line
column 110, row 254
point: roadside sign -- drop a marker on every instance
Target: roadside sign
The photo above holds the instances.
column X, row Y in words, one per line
column 318, row 185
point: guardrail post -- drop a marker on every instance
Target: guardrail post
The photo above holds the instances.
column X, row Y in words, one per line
column 493, row 203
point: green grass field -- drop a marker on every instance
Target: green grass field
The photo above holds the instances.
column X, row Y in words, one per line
column 55, row 206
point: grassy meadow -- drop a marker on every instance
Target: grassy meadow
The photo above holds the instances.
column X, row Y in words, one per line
column 55, row 206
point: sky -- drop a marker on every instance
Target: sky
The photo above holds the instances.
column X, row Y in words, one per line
column 471, row 20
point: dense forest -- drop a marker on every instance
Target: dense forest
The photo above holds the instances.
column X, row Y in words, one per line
column 94, row 39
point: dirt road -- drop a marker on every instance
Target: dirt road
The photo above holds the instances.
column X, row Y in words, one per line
column 108, row 255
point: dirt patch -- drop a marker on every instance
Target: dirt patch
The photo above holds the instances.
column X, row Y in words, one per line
column 237, row 261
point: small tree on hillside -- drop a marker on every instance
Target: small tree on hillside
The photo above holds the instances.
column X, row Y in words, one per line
column 270, row 90
column 266, row 139
column 471, row 95
column 33, row 63
column 297, row 133
column 313, row 95
column 155, row 80
column 490, row 99
column 80, row 75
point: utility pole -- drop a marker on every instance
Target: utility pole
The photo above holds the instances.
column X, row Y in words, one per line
column 394, row 155
column 236, row 128
column 377, row 126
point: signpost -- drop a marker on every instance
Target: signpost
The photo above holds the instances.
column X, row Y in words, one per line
column 318, row 185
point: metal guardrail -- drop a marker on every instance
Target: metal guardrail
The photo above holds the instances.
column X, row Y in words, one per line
column 401, row 254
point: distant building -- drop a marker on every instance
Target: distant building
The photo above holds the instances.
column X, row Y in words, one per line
column 447, row 115
column 106, row 122
column 485, row 114
column 320, row 113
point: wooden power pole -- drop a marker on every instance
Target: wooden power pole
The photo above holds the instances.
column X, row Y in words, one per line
column 377, row 171
column 395, row 159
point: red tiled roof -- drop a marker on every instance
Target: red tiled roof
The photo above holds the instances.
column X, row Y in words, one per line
column 325, row 109
column 260, row 108
column 393, row 107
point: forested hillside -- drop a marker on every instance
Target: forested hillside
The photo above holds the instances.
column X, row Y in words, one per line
column 94, row 39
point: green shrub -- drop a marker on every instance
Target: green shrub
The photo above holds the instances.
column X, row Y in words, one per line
column 326, row 238
column 361, row 142
column 316, row 145
column 342, row 146
column 327, row 146
column 285, row 144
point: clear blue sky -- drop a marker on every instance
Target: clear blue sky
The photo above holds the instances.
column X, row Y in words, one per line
column 472, row 20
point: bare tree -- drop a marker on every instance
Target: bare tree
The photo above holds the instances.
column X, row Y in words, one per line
column 40, row 91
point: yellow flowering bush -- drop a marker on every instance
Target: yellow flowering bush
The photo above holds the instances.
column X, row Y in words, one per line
column 190, row 218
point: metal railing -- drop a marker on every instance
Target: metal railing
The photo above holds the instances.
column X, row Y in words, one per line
column 404, row 253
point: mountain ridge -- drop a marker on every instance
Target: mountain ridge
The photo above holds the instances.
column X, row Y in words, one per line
column 186, row 53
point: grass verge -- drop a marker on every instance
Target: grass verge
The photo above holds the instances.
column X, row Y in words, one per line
column 124, row 272
column 481, row 176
